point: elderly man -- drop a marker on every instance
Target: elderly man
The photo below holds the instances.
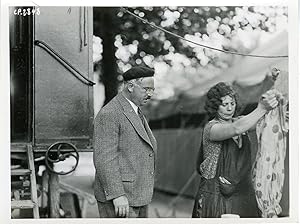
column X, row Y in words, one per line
column 125, row 149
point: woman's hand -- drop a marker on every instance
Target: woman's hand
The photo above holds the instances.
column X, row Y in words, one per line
column 269, row 100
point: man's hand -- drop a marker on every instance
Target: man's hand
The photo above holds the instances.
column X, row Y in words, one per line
column 121, row 206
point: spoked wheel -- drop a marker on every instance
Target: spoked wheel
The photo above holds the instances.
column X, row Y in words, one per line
column 58, row 152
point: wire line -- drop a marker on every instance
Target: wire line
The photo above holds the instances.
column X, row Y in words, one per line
column 202, row 45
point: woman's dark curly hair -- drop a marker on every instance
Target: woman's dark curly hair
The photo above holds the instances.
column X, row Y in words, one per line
column 214, row 95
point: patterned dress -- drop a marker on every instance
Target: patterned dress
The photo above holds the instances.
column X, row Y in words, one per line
column 231, row 160
column 268, row 168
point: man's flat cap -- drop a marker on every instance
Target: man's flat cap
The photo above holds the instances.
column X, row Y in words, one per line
column 138, row 72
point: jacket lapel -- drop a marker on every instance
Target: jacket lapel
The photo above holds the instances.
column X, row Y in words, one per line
column 151, row 136
column 134, row 119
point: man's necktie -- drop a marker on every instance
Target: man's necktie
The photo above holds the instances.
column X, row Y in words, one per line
column 140, row 113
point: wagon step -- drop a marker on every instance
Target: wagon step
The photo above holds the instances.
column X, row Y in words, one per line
column 30, row 171
column 18, row 147
column 22, row 204
column 20, row 172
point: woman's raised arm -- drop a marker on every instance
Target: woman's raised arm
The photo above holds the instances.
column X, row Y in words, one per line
column 222, row 131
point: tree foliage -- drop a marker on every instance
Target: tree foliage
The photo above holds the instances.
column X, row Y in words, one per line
column 202, row 22
column 234, row 28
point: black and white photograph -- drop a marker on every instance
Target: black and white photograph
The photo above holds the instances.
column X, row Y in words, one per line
column 163, row 112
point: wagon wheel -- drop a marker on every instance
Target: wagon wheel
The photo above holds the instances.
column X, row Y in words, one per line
column 56, row 154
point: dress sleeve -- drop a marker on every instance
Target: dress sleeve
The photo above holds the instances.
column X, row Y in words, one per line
column 207, row 128
column 211, row 152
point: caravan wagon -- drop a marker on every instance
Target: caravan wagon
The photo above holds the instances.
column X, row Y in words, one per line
column 51, row 69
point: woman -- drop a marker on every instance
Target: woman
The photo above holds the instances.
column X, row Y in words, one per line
column 225, row 167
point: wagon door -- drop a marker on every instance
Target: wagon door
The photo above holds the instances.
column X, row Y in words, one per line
column 63, row 66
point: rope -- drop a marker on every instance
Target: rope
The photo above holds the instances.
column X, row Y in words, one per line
column 201, row 45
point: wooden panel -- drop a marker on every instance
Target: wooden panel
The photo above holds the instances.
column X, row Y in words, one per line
column 63, row 104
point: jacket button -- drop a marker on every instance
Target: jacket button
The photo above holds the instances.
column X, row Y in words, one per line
column 151, row 154
column 151, row 172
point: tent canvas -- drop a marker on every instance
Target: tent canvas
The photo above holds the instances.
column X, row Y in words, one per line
column 250, row 76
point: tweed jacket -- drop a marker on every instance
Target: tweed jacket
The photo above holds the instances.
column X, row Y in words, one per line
column 124, row 154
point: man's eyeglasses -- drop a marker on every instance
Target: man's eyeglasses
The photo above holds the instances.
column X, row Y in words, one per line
column 148, row 90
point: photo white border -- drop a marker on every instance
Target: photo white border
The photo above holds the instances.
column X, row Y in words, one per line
column 293, row 32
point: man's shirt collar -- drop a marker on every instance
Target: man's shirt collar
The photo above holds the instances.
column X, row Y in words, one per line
column 135, row 108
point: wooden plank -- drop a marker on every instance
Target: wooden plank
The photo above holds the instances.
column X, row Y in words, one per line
column 20, row 172
column 45, row 189
column 33, row 187
column 22, row 204
column 54, row 195
column 18, row 147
